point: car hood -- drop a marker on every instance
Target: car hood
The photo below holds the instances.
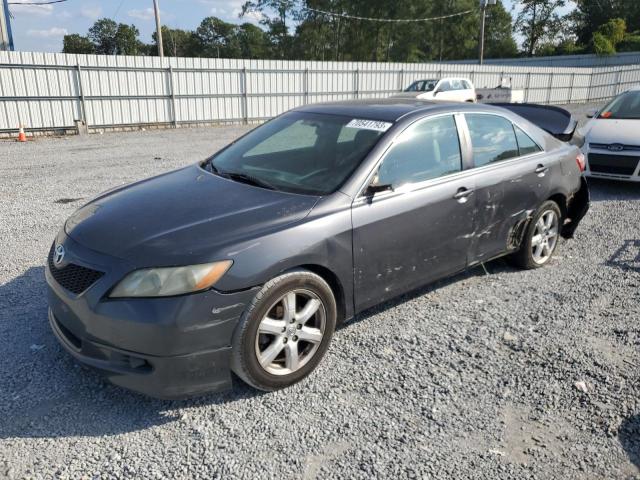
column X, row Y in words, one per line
column 182, row 216
column 612, row 131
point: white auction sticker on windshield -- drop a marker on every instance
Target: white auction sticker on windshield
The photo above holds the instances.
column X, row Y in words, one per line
column 369, row 125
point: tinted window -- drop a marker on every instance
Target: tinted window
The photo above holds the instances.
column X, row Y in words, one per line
column 526, row 146
column 427, row 149
column 466, row 84
column 492, row 138
column 301, row 152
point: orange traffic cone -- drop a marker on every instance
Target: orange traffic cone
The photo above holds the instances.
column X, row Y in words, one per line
column 21, row 135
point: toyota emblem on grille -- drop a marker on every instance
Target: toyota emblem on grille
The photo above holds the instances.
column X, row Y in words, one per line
column 616, row 147
column 58, row 255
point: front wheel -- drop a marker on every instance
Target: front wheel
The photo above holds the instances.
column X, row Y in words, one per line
column 541, row 237
column 285, row 331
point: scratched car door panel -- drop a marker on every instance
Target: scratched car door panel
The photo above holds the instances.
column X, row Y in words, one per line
column 420, row 231
column 512, row 179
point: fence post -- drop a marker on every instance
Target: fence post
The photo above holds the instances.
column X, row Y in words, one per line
column 305, row 81
column 526, row 88
column 245, row 105
column 549, row 88
column 616, row 86
column 400, row 80
column 172, row 97
column 83, row 104
column 590, row 85
column 573, row 76
column 356, row 83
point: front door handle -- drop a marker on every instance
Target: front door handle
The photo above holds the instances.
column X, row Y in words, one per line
column 541, row 169
column 462, row 194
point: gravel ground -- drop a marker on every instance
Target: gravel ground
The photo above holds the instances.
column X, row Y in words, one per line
column 478, row 376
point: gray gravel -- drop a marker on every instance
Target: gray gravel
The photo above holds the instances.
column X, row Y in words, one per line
column 480, row 376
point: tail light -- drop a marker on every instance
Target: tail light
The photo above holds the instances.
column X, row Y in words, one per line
column 582, row 164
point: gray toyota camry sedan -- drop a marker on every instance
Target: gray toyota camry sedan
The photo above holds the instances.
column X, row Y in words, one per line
column 247, row 261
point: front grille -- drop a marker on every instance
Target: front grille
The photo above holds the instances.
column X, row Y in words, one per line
column 618, row 147
column 72, row 277
column 615, row 164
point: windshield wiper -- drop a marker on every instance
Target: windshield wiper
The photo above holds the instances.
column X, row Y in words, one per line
column 244, row 178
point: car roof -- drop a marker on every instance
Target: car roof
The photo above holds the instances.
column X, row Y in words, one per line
column 389, row 109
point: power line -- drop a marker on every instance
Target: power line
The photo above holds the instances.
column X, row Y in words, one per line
column 37, row 3
column 387, row 20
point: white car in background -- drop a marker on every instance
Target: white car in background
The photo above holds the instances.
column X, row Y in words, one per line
column 612, row 139
column 451, row 89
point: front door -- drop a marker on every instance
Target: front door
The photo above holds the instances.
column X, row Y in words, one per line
column 421, row 230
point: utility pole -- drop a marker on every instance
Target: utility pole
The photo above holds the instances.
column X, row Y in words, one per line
column 6, row 38
column 483, row 17
column 158, row 29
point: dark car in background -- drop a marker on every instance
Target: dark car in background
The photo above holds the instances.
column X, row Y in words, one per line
column 247, row 261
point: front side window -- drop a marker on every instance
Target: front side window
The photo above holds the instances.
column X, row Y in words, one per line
column 300, row 152
column 492, row 138
column 427, row 149
column 456, row 85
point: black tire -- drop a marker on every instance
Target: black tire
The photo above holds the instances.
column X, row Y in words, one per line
column 524, row 257
column 244, row 358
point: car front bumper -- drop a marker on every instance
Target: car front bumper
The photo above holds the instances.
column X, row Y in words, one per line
column 169, row 347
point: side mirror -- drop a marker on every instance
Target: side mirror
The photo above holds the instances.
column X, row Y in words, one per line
column 375, row 187
column 436, row 92
column 592, row 113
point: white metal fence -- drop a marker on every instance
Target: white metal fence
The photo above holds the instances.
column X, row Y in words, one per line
column 586, row 60
column 50, row 92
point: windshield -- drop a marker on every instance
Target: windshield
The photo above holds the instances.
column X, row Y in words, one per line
column 626, row 106
column 300, row 152
column 422, row 86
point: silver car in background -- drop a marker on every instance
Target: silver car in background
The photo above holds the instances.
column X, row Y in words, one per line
column 612, row 139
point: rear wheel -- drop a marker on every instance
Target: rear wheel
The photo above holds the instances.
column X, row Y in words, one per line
column 541, row 237
column 285, row 332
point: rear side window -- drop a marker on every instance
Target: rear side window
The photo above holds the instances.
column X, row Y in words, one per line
column 427, row 149
column 466, row 84
column 492, row 138
column 526, row 146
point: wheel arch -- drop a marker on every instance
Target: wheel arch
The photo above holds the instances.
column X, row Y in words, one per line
column 334, row 283
column 561, row 200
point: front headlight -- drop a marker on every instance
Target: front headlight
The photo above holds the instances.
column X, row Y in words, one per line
column 163, row 282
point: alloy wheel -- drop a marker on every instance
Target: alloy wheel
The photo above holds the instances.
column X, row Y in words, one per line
column 545, row 237
column 290, row 333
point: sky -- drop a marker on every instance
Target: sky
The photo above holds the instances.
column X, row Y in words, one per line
column 40, row 28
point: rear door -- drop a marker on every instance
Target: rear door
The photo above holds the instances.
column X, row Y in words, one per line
column 512, row 177
column 421, row 230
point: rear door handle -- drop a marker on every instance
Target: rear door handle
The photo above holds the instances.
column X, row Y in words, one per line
column 462, row 194
column 541, row 169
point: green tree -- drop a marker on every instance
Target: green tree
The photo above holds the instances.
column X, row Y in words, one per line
column 218, row 38
column 253, row 42
column 602, row 45
column 177, row 43
column 499, row 41
column 126, row 40
column 589, row 15
column 277, row 25
column 614, row 30
column 103, row 35
column 539, row 22
column 75, row 43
